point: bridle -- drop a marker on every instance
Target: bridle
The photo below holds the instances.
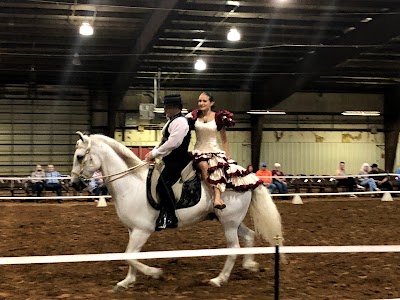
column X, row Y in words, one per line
column 104, row 177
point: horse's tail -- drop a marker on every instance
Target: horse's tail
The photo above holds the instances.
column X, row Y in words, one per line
column 266, row 217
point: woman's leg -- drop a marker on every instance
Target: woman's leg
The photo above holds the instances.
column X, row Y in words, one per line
column 218, row 203
column 372, row 184
column 284, row 188
column 367, row 183
column 279, row 186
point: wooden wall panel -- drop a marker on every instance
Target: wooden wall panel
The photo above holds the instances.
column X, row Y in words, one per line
column 41, row 129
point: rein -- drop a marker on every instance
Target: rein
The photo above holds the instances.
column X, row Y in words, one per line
column 123, row 172
column 84, row 178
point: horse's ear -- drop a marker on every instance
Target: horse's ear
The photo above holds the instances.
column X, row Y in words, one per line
column 84, row 139
column 81, row 136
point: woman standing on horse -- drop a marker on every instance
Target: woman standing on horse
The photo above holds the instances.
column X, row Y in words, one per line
column 217, row 169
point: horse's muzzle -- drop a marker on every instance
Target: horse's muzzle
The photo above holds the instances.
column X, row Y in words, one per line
column 78, row 184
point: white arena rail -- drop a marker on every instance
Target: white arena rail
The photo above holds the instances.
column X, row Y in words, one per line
column 195, row 253
column 336, row 194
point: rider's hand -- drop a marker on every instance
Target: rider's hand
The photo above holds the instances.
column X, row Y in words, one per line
column 149, row 157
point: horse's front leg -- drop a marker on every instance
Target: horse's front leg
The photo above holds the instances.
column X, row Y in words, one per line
column 137, row 238
column 231, row 235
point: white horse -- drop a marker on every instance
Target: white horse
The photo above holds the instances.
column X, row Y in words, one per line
column 126, row 181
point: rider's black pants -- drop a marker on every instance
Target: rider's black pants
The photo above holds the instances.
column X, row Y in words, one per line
column 169, row 176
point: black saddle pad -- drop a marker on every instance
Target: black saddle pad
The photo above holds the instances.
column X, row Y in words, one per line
column 191, row 193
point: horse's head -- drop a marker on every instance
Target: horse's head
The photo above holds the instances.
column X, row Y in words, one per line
column 85, row 162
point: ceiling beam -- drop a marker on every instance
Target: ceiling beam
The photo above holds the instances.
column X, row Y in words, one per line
column 345, row 6
column 321, row 60
column 143, row 42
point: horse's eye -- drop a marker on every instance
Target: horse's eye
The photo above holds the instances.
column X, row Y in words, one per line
column 80, row 157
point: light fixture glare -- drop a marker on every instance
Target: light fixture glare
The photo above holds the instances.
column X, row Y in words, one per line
column 266, row 112
column 233, row 3
column 366, row 20
column 200, row 65
column 365, row 113
column 233, row 35
column 160, row 110
column 86, row 29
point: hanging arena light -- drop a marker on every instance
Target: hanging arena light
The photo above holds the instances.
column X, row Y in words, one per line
column 200, row 65
column 86, row 29
column 233, row 35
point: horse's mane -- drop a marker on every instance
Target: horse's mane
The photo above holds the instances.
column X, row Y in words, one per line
column 130, row 158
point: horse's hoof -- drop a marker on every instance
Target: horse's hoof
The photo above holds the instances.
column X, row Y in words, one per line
column 215, row 282
column 119, row 288
column 157, row 274
column 252, row 266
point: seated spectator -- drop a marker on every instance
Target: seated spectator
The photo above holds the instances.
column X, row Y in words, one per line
column 250, row 169
column 279, row 180
column 367, row 181
column 382, row 181
column 266, row 176
column 396, row 182
column 36, row 182
column 53, row 184
column 398, row 177
column 96, row 184
column 344, row 180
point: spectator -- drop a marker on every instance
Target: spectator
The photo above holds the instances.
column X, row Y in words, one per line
column 367, row 181
column 398, row 177
column 53, row 184
column 250, row 169
column 397, row 182
column 344, row 180
column 96, row 184
column 279, row 180
column 36, row 182
column 266, row 176
column 382, row 181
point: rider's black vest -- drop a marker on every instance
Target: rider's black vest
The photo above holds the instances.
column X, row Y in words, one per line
column 179, row 154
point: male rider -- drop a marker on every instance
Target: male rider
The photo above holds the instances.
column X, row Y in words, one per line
column 173, row 150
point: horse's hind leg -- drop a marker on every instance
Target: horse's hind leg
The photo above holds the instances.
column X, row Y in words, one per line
column 137, row 238
column 231, row 235
column 248, row 259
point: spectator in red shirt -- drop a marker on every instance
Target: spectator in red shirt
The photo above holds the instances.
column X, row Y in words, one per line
column 266, row 176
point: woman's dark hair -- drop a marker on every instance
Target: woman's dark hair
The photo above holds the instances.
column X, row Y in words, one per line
column 210, row 97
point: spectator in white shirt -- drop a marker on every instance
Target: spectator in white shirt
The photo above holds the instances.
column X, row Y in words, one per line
column 37, row 179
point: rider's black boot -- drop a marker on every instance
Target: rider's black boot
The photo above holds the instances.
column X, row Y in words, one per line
column 161, row 222
column 171, row 220
column 166, row 220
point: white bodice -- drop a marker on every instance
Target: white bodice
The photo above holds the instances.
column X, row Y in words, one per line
column 206, row 137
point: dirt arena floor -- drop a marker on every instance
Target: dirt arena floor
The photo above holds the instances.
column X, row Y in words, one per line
column 77, row 228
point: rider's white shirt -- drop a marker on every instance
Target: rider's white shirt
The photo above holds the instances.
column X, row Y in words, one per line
column 178, row 129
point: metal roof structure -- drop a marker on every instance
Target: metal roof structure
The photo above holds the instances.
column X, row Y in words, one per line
column 286, row 45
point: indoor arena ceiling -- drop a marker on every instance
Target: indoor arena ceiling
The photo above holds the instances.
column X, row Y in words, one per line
column 285, row 46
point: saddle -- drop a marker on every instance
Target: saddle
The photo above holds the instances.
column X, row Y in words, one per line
column 187, row 190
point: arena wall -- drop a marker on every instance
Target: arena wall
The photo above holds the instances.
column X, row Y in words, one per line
column 38, row 125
